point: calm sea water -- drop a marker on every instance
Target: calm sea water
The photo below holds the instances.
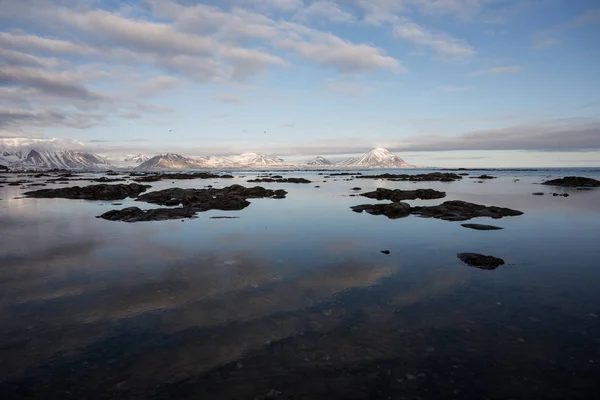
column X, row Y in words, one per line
column 294, row 300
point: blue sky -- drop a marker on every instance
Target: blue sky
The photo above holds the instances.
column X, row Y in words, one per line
column 514, row 82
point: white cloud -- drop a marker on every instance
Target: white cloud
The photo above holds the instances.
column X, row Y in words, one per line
column 444, row 45
column 325, row 9
column 506, row 69
column 331, row 51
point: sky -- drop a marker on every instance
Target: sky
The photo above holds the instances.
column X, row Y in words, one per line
column 439, row 82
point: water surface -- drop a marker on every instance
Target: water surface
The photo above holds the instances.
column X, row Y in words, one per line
column 294, row 300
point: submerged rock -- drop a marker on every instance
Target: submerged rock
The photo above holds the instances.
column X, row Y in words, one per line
column 92, row 192
column 390, row 210
column 458, row 210
column 573, row 181
column 430, row 177
column 538, row 193
column 480, row 261
column 400, row 195
column 484, row 176
column 385, row 251
column 279, row 180
column 135, row 214
column 106, row 180
column 480, row 227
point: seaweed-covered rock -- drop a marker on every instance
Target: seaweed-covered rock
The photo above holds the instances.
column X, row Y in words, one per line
column 430, row 177
column 390, row 210
column 573, row 181
column 92, row 192
column 458, row 210
column 135, row 214
column 400, row 195
column 480, row 261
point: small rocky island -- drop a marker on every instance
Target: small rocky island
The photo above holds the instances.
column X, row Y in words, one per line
column 573, row 181
column 92, row 192
column 192, row 201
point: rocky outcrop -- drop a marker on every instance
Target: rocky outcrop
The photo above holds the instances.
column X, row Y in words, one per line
column 135, row 214
column 484, row 176
column 480, row 261
column 458, row 210
column 430, row 177
column 280, row 180
column 390, row 210
column 229, row 198
column 481, row 227
column 401, row 195
column 93, row 192
column 192, row 201
column 573, row 181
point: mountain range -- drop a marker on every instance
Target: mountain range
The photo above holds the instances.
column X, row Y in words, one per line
column 47, row 154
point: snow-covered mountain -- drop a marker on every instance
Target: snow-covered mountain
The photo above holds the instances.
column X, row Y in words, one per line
column 135, row 159
column 246, row 160
column 376, row 158
column 256, row 160
column 171, row 161
column 24, row 153
column 318, row 160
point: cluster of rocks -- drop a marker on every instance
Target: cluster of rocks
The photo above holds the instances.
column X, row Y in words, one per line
column 93, row 192
column 400, row 195
column 430, row 177
column 573, row 181
column 280, row 179
column 455, row 210
column 192, row 201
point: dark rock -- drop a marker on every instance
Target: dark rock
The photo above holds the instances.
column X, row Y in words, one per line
column 390, row 210
column 286, row 180
column 573, row 181
column 464, row 174
column 93, row 192
column 3, row 168
column 223, row 217
column 457, row 210
column 135, row 214
column 430, row 177
column 345, row 174
column 356, row 188
column 61, row 179
column 480, row 227
column 484, row 177
column 19, row 182
column 400, row 195
column 554, row 194
column 480, row 261
column 37, row 184
column 233, row 197
column 385, row 251
column 538, row 193
column 277, row 177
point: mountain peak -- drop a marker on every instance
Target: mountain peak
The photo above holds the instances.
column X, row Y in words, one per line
column 377, row 158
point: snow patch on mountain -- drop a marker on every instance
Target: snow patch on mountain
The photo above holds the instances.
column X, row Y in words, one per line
column 376, row 158
column 27, row 153
column 318, row 160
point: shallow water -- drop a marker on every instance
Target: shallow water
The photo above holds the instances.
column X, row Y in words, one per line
column 294, row 298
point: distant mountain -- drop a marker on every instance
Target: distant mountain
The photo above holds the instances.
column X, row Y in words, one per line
column 135, row 159
column 170, row 161
column 318, row 160
column 24, row 153
column 376, row 158
column 256, row 160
